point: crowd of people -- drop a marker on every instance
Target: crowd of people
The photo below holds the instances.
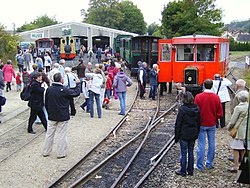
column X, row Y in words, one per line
column 53, row 88
column 200, row 115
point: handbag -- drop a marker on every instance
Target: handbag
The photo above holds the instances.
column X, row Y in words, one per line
column 25, row 94
column 234, row 130
column 2, row 100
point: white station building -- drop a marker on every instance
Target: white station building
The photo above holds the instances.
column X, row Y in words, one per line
column 88, row 34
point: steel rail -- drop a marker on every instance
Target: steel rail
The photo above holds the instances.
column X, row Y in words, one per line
column 152, row 126
column 72, row 169
column 84, row 178
column 159, row 157
column 37, row 135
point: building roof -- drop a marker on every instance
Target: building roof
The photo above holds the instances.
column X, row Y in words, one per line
column 78, row 24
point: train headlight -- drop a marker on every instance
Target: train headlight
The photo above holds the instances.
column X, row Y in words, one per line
column 191, row 75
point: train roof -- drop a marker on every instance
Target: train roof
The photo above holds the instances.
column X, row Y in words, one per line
column 146, row 36
column 197, row 36
column 199, row 39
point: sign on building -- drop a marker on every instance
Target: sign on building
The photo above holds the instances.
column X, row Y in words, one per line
column 36, row 35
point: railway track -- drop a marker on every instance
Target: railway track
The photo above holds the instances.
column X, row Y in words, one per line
column 15, row 137
column 120, row 145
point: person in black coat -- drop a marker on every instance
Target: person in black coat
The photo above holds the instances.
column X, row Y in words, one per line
column 36, row 102
column 57, row 100
column 153, row 80
column 186, row 131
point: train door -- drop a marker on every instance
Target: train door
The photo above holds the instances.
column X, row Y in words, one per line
column 153, row 53
column 165, row 61
column 146, row 48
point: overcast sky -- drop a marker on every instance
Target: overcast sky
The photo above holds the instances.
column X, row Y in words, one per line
column 18, row 12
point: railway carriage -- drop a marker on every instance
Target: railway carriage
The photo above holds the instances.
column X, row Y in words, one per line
column 139, row 48
column 43, row 45
column 118, row 42
column 68, row 47
column 192, row 59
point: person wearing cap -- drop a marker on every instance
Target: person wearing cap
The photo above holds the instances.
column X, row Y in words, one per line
column 240, row 86
column 70, row 82
column 36, row 102
column 220, row 88
column 121, row 82
column 8, row 72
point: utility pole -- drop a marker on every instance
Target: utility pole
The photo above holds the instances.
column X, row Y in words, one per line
column 14, row 28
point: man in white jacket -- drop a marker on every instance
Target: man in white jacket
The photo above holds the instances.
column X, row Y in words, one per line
column 220, row 88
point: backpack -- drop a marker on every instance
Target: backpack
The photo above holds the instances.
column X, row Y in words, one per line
column 25, row 94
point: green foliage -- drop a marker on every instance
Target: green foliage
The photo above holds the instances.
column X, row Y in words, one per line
column 191, row 16
column 115, row 14
column 153, row 28
column 239, row 46
column 133, row 19
column 39, row 22
column 8, row 45
column 239, row 25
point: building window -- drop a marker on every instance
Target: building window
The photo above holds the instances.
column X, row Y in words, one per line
column 205, row 52
column 185, row 52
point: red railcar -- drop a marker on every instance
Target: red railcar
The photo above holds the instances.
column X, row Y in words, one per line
column 192, row 59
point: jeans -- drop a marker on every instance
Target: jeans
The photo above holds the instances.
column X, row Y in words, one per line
column 108, row 93
column 122, row 99
column 187, row 147
column 93, row 95
column 210, row 132
column 152, row 92
column 86, row 103
column 20, row 68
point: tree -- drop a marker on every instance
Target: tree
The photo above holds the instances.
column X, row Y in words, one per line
column 133, row 19
column 104, row 13
column 8, row 45
column 39, row 22
column 191, row 16
column 118, row 15
column 153, row 28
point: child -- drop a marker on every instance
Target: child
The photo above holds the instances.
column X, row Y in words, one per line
column 18, row 82
column 186, row 131
column 25, row 77
column 108, row 85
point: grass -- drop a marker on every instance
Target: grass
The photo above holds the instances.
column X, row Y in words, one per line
column 235, row 54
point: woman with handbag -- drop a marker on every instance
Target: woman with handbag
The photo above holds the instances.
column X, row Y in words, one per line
column 237, row 128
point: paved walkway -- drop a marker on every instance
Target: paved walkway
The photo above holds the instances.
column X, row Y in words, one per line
column 28, row 168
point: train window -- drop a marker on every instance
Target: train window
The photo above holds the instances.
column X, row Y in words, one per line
column 154, row 47
column 185, row 52
column 205, row 52
column 136, row 46
column 71, row 41
column 165, row 52
column 145, row 45
column 223, row 51
column 63, row 41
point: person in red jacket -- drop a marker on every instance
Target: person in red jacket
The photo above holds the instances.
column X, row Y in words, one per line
column 108, row 85
column 18, row 82
column 210, row 111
